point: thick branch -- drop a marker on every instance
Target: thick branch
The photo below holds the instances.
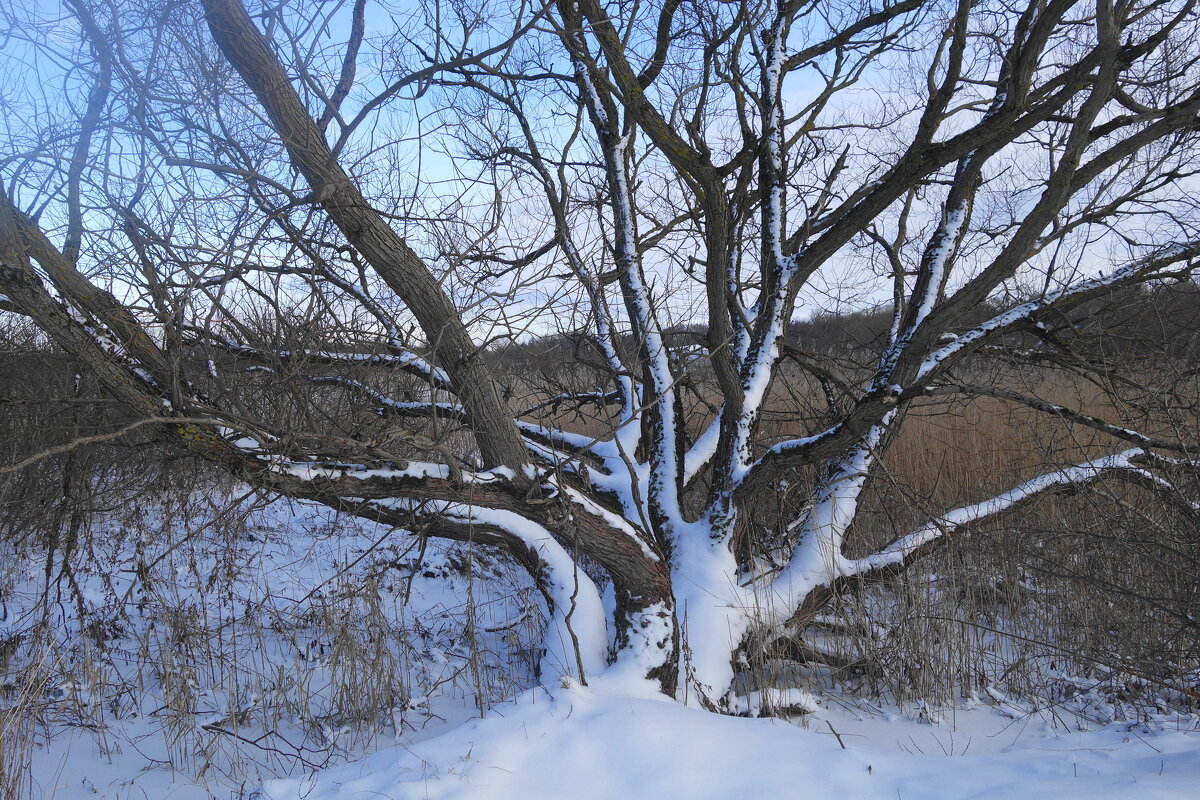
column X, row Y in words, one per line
column 402, row 269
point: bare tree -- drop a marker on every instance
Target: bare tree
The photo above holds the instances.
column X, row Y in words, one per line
column 211, row 197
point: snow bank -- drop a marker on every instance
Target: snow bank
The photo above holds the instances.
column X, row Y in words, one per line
column 608, row 741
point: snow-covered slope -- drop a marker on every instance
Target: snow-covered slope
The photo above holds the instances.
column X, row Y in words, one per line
column 296, row 655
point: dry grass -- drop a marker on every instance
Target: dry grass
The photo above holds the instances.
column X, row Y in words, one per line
column 224, row 674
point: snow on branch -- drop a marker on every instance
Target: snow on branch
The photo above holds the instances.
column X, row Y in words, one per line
column 576, row 400
column 665, row 445
column 400, row 478
column 395, row 408
column 1142, row 268
column 897, row 553
column 576, row 638
column 404, row 361
column 795, row 447
column 549, row 444
column 571, row 443
column 702, row 450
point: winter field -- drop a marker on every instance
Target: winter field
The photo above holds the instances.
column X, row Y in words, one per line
column 592, row 399
column 272, row 650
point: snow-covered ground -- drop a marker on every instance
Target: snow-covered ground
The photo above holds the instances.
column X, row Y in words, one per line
column 606, row 741
column 286, row 654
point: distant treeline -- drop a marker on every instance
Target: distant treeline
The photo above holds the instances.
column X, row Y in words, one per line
column 1136, row 321
column 1140, row 321
column 1131, row 322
